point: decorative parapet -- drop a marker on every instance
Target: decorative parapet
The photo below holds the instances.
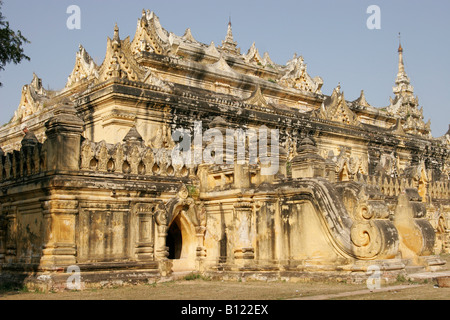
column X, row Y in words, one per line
column 60, row 151
column 439, row 190
column 30, row 160
column 131, row 156
column 394, row 186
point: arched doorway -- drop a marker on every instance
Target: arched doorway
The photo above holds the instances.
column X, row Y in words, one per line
column 174, row 241
column 182, row 243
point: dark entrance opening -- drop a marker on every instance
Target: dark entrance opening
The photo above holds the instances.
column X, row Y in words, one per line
column 174, row 241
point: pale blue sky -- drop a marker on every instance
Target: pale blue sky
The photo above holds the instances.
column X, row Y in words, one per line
column 331, row 35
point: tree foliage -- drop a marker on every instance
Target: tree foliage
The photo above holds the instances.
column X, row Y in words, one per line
column 11, row 43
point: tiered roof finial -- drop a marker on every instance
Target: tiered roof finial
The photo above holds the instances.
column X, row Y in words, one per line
column 116, row 43
column 229, row 45
column 401, row 66
column 362, row 100
column 403, row 85
column 229, row 37
column 116, row 33
column 405, row 105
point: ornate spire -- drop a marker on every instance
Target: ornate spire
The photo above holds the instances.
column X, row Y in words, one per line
column 401, row 66
column 229, row 36
column 403, row 86
column 405, row 105
column 229, row 45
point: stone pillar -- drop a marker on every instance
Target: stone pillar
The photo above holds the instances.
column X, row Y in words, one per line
column 29, row 143
column 64, row 139
column 2, row 240
column 243, row 249
column 241, row 176
column 63, row 154
column 11, row 234
column 269, row 159
column 59, row 247
column 202, row 173
column 161, row 251
column 283, row 156
column 145, row 240
column 374, row 154
column 201, row 250
column 200, row 230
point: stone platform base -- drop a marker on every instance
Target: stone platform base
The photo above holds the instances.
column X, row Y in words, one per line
column 111, row 274
column 387, row 271
column 83, row 276
column 299, row 276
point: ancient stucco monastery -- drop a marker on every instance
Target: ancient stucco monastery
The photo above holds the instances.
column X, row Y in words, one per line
column 88, row 179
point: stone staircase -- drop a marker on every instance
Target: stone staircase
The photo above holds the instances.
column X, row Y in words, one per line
column 422, row 273
column 428, row 275
column 411, row 269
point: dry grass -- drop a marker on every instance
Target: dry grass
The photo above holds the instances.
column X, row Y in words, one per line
column 200, row 288
column 216, row 290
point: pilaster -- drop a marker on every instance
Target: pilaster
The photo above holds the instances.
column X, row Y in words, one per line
column 243, row 248
column 59, row 247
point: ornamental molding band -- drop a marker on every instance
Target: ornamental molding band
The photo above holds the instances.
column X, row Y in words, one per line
column 90, row 175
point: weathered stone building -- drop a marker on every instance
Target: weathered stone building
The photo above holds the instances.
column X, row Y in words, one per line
column 88, row 176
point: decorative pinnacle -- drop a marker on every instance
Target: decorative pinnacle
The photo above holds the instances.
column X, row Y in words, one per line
column 401, row 65
column 229, row 37
column 116, row 32
column 402, row 81
column 400, row 49
column 229, row 44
